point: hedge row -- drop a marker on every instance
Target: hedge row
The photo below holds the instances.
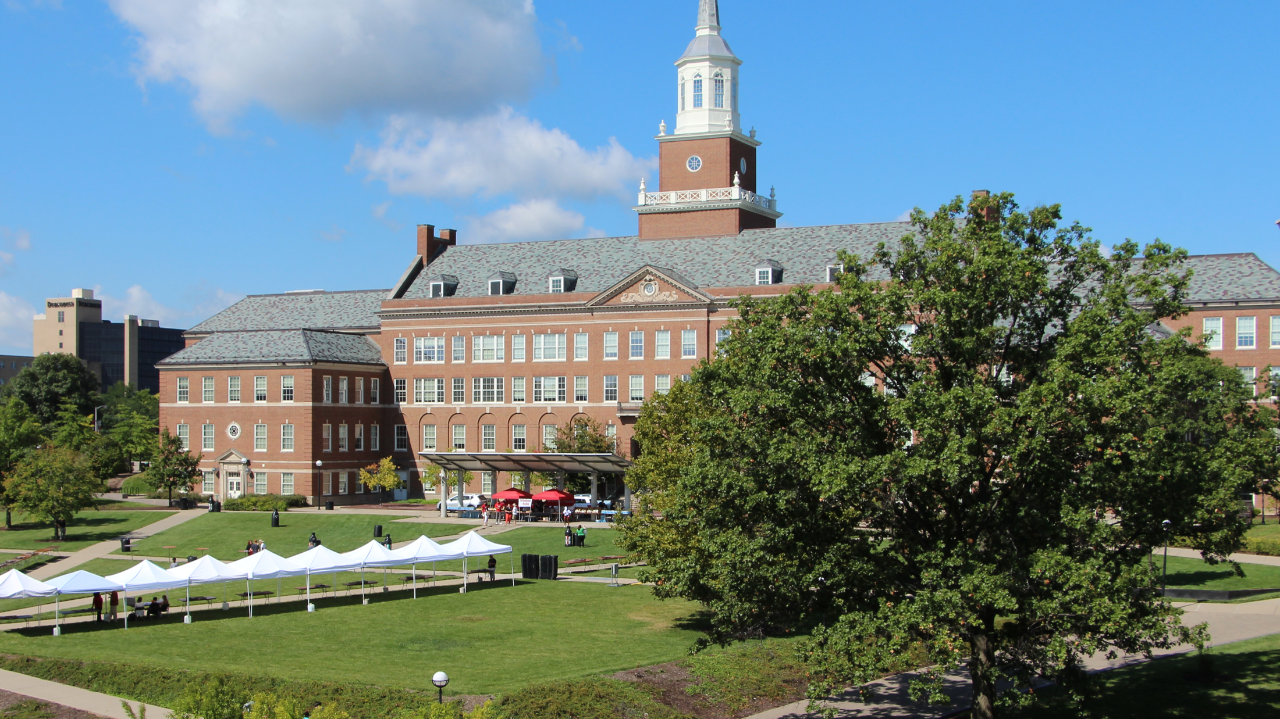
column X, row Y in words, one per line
column 264, row 502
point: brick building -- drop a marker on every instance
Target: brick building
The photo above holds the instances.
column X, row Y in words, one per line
column 493, row 347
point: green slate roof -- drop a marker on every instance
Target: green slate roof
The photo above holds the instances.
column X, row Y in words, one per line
column 278, row 346
column 298, row 310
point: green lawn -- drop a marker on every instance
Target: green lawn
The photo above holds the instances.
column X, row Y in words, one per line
column 88, row 528
column 226, row 533
column 1270, row 530
column 492, row 639
column 124, row 504
column 1244, row 684
column 1191, row 573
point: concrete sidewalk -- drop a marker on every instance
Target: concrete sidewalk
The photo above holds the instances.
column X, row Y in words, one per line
column 102, row 549
column 1241, row 558
column 82, row 699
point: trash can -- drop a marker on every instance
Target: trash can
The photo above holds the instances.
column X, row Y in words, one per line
column 275, row 518
column 191, row 558
column 328, row 506
column 525, row 567
column 217, row 505
column 124, row 544
column 377, row 530
column 548, row 566
column 212, row 506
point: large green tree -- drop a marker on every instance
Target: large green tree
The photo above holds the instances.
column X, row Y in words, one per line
column 51, row 381
column 173, row 466
column 582, row 435
column 967, row 448
column 19, row 433
column 52, row 483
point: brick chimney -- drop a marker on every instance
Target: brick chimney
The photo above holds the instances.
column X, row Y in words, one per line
column 430, row 246
column 989, row 212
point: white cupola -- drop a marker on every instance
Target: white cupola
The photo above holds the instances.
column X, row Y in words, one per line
column 707, row 78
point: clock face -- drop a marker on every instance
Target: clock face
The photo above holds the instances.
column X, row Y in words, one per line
column 743, row 164
column 650, row 288
column 233, row 430
column 694, row 164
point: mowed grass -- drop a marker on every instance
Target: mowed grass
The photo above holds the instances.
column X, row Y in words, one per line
column 1190, row 573
column 494, row 638
column 1243, row 683
column 88, row 528
column 226, row 533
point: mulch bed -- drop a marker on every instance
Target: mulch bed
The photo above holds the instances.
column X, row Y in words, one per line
column 8, row 700
column 671, row 680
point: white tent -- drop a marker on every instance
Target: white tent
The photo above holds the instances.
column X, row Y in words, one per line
column 15, row 584
column 204, row 570
column 320, row 559
column 78, row 582
column 262, row 565
column 144, row 576
column 422, row 550
column 372, row 554
column 474, row 545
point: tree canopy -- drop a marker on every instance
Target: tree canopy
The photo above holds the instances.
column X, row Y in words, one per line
column 173, row 466
column 968, row 446
column 19, row 433
column 51, row 381
column 382, row 476
column 54, row 484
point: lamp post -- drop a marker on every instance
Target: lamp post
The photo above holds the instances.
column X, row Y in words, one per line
column 1166, row 524
column 440, row 679
column 97, row 423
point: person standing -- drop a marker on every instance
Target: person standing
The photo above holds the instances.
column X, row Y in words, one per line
column 97, row 606
column 568, row 536
column 493, row 568
column 484, row 513
column 114, row 606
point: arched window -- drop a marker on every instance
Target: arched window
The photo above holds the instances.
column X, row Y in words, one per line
column 719, row 89
column 697, row 91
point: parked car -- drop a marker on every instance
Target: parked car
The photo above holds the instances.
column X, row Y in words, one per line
column 469, row 501
column 582, row 501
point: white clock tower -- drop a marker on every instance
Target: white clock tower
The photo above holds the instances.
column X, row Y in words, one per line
column 707, row 78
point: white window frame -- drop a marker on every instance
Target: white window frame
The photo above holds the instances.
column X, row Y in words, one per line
column 611, row 345
column 559, row 389
column 661, row 383
column 519, row 437
column 344, row 482
column 326, row 438
column 517, row 348
column 1249, row 376
column 635, row 388
column 206, row 390
column 764, row 275
column 488, row 390
column 1246, row 333
column 328, row 484
column 428, row 390
column 359, row 390
column 374, row 386
column 662, row 344
column 343, row 385
column 459, row 349
column 402, row 438
column 208, row 485
column 233, row 390
column 458, row 394
column 260, row 388
column 488, row 438
column 286, row 483
column 184, row 436
column 286, row 437
column 428, row 350
column 259, row 437
column 401, row 393
column 489, row 348
column 400, row 350
column 357, row 442
column 428, row 438
column 580, row 346
column 207, row 434
column 688, row 344
column 328, row 390
column 550, row 434
column 342, row 438
column 458, row 434
column 495, row 284
column 184, row 390
column 834, row 272
column 580, row 388
column 487, row 482
column 555, row 285
column 1212, row 327
column 633, row 345
column 375, row 437
column 551, row 347
column 518, row 389
column 611, row 388
column 260, row 483
column 286, row 388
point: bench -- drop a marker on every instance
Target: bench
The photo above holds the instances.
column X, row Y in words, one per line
column 321, row 587
column 73, row 612
column 206, row 599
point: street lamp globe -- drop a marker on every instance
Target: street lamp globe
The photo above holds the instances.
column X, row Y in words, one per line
column 440, row 679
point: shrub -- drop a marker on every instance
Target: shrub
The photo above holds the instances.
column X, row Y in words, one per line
column 737, row 678
column 1262, row 546
column 136, row 485
column 590, row 698
column 264, row 503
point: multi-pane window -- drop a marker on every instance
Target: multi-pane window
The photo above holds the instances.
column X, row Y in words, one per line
column 259, row 437
column 721, row 336
column 697, row 92
column 374, row 385
column 688, row 343
column 402, row 390
column 580, row 389
column 206, row 437
column 486, row 482
column 1249, row 375
column 359, row 390
column 611, row 436
column 286, row 483
column 259, row 482
column 459, row 348
column 184, row 389
column 764, row 276
column 1275, row 331
column 834, row 272
column 342, row 390
column 328, row 390
column 718, row 87
column 549, row 347
column 342, row 438
column 1213, row 333
column 233, row 389
column 326, row 434
column 401, row 350
column 460, row 437
column 548, row 438
column 259, row 389
column 637, row 345
column 428, row 349
column 344, row 479
column 1246, row 333
column 637, row 388
column 549, row 389
column 184, row 436
column 517, row 348
column 580, row 345
column 611, row 388
column 428, row 438
column 684, row 377
column 662, row 383
column 488, row 437
column 207, row 483
column 207, row 386
column 375, row 437
column 459, row 390
column 517, row 389
column 555, row 285
column 286, row 388
column 611, row 345
column 662, row 344
column 286, row 438
column 328, row 483
column 517, row 437
column 359, row 438
column 490, row 348
column 402, row 438
column 487, row 390
column 428, row 391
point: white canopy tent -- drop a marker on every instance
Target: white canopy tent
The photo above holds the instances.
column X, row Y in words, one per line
column 423, row 549
column 472, row 544
column 262, row 565
column 143, row 576
column 78, row 582
column 320, row 559
column 15, row 585
column 204, row 570
column 372, row 554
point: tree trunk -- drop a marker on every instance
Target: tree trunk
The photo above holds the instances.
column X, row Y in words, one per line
column 982, row 671
column 8, row 518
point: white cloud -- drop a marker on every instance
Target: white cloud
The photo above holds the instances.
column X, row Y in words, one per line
column 380, row 214
column 333, row 234
column 18, row 239
column 319, row 59
column 532, row 220
column 15, row 324
column 202, row 302
column 499, row 153
column 904, row 217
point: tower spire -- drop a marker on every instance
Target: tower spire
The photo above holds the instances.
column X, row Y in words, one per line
column 709, row 15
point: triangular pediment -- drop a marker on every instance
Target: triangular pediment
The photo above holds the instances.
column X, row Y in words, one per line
column 651, row 285
column 229, row 457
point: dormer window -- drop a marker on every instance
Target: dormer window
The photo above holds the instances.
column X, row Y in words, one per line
column 495, row 287
column 443, row 285
column 834, row 272
column 437, row 289
column 562, row 280
column 557, row 285
column 502, row 283
column 764, row 276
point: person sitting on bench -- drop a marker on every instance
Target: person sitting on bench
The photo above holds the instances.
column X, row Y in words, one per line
column 153, row 609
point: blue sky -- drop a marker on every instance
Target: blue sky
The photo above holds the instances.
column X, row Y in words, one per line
column 177, row 156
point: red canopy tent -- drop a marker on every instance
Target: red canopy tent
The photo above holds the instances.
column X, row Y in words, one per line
column 511, row 495
column 555, row 496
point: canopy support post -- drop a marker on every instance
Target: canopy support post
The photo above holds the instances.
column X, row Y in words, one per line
column 464, row 574
column 513, row 568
